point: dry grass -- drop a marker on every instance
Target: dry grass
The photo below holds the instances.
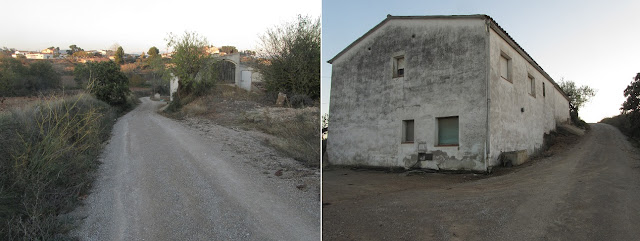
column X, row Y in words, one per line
column 48, row 152
column 295, row 132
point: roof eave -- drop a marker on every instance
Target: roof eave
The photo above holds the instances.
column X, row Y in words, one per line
column 389, row 17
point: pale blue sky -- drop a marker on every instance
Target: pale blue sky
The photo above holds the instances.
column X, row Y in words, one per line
column 593, row 43
column 139, row 24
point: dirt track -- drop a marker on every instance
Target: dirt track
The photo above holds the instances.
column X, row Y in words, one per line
column 588, row 192
column 162, row 180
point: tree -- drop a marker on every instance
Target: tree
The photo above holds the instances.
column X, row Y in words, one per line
column 228, row 49
column 631, row 106
column 153, row 52
column 578, row 96
column 43, row 76
column 158, row 71
column 107, row 83
column 249, row 52
column 188, row 59
column 114, row 47
column 120, row 55
column 73, row 48
column 80, row 54
column 291, row 58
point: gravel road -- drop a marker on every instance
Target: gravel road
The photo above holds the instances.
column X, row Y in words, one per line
column 591, row 191
column 161, row 180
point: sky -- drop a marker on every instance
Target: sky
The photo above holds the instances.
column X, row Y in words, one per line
column 137, row 25
column 593, row 43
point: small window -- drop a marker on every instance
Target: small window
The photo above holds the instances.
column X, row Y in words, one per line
column 505, row 67
column 398, row 66
column 532, row 88
column 448, row 131
column 544, row 91
column 407, row 131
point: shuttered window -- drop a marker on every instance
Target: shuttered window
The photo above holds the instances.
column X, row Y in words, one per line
column 448, row 134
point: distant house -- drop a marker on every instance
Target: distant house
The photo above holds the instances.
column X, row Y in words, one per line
column 39, row 56
column 106, row 52
column 439, row 92
column 20, row 52
column 53, row 51
column 32, row 55
column 212, row 50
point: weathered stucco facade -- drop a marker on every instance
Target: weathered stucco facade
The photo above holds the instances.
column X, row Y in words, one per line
column 412, row 82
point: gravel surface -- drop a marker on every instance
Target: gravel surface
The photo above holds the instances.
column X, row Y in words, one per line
column 163, row 180
column 589, row 191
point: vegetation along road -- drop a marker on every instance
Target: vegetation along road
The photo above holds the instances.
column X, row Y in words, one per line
column 588, row 191
column 159, row 180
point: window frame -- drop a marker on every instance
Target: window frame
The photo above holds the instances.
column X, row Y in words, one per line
column 437, row 142
column 395, row 70
column 404, row 131
column 509, row 73
column 532, row 85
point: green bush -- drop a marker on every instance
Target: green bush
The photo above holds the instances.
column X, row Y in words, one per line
column 48, row 152
column 106, row 82
column 19, row 79
column 291, row 58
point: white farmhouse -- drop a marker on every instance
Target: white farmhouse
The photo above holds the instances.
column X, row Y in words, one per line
column 439, row 92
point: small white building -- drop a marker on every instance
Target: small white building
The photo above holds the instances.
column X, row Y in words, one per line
column 39, row 56
column 439, row 92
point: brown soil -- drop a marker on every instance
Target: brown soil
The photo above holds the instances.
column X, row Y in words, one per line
column 582, row 188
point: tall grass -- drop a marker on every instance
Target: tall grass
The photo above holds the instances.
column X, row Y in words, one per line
column 298, row 137
column 48, row 154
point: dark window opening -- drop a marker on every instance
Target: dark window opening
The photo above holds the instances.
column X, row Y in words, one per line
column 407, row 131
column 398, row 66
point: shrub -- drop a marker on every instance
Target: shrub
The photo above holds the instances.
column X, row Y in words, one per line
column 19, row 79
column 300, row 101
column 48, row 152
column 107, row 83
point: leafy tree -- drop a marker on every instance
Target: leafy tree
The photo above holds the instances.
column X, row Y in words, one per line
column 291, row 58
column 228, row 49
column 631, row 106
column 189, row 58
column 578, row 96
column 119, row 55
column 106, row 82
column 73, row 48
column 158, row 71
column 249, row 52
column 153, row 52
